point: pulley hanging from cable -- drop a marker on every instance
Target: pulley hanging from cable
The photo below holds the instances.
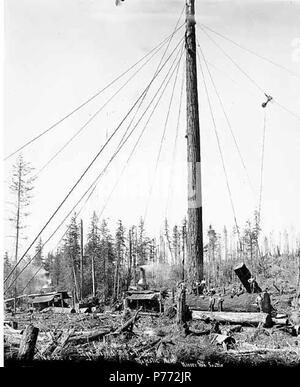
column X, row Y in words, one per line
column 269, row 98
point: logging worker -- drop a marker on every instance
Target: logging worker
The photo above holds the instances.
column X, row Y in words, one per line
column 202, row 285
column 252, row 281
column 240, row 290
column 220, row 301
column 211, row 302
column 258, row 301
column 233, row 292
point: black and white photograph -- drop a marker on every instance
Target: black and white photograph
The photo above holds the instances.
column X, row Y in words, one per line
column 150, row 187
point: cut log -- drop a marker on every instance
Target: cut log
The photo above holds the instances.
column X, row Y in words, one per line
column 87, row 337
column 243, row 303
column 244, row 275
column 234, row 318
column 128, row 323
column 151, row 314
column 50, row 347
column 56, row 309
column 28, row 342
column 64, row 338
column 280, row 321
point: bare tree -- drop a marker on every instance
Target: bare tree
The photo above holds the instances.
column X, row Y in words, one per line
column 21, row 187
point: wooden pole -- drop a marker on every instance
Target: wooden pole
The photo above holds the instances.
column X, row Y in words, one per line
column 195, row 228
column 81, row 259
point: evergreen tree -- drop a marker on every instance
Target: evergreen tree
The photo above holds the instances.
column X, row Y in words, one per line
column 71, row 261
column 107, row 260
column 167, row 235
column 142, row 244
column 176, row 245
column 119, row 260
column 21, row 187
column 92, row 256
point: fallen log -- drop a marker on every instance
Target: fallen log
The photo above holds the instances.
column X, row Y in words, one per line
column 50, row 347
column 280, row 321
column 87, row 337
column 28, row 342
column 242, row 303
column 56, row 309
column 128, row 323
column 234, row 318
column 62, row 341
column 151, row 314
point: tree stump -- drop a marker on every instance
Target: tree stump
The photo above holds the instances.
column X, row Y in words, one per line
column 266, row 303
column 244, row 275
column 28, row 342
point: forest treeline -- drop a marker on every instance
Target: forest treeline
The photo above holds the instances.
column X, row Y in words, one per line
column 109, row 261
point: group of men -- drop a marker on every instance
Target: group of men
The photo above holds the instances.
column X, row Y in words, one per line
column 216, row 300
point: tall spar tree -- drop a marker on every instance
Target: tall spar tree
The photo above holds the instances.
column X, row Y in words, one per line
column 195, row 227
column 21, row 187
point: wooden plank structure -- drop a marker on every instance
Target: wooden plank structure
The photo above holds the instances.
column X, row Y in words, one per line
column 244, row 275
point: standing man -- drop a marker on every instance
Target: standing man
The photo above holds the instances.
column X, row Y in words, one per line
column 211, row 301
column 220, row 301
column 258, row 301
column 252, row 284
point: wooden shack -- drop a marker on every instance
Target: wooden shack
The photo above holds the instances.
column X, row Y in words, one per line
column 149, row 300
column 44, row 300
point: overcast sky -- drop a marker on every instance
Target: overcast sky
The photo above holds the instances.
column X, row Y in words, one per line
column 60, row 52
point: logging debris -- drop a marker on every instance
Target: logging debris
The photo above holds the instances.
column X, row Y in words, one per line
column 153, row 337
